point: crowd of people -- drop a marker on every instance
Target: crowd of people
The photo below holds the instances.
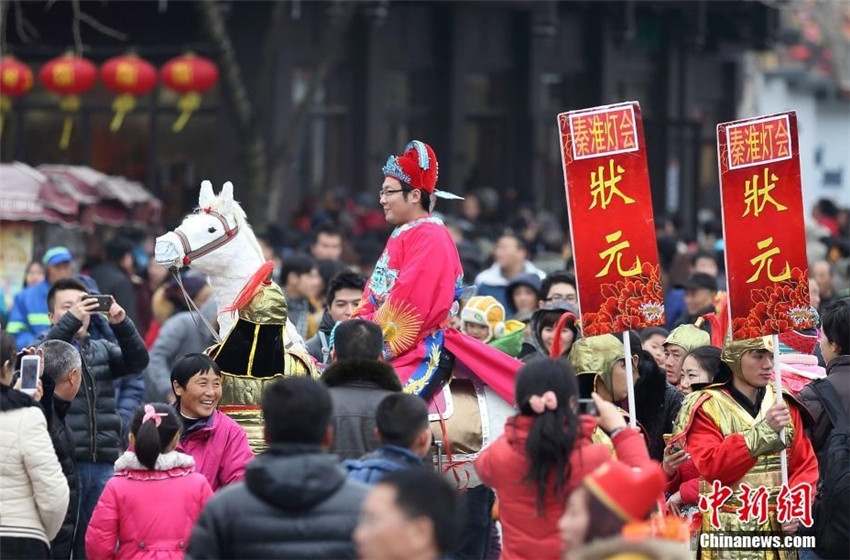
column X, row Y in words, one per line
column 121, row 449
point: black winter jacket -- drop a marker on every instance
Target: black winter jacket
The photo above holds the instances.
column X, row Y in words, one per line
column 93, row 416
column 838, row 374
column 63, row 443
column 357, row 387
column 295, row 502
column 662, row 422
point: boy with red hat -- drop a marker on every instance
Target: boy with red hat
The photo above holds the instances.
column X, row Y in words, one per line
column 413, row 290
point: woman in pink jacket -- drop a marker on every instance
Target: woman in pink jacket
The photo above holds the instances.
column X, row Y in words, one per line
column 148, row 509
column 217, row 443
column 544, row 453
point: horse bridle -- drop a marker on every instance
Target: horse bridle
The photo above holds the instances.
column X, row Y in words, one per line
column 190, row 255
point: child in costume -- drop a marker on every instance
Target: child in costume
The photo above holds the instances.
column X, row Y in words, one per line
column 483, row 318
column 148, row 508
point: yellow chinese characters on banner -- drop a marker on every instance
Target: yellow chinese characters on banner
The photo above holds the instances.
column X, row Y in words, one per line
column 611, row 223
column 760, row 141
column 604, row 132
column 762, row 204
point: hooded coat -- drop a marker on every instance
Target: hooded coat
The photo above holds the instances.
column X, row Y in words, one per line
column 295, row 502
column 147, row 514
column 531, row 280
column 535, row 347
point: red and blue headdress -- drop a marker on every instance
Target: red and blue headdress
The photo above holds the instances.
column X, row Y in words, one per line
column 417, row 167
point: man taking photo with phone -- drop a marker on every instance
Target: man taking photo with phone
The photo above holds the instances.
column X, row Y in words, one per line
column 93, row 416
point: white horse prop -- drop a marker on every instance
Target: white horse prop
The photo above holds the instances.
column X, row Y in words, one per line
column 260, row 344
column 218, row 241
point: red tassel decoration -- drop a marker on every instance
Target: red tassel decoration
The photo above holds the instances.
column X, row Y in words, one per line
column 555, row 349
column 262, row 276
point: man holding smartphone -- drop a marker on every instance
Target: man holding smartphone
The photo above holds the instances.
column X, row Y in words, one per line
column 93, row 416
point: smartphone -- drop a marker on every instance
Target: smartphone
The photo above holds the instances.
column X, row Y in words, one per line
column 588, row 407
column 104, row 301
column 30, row 369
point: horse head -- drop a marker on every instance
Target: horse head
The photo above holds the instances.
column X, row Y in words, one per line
column 215, row 224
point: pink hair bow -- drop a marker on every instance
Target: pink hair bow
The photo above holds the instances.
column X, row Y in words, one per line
column 152, row 414
column 539, row 404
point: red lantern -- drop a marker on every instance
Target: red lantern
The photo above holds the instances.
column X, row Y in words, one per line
column 15, row 81
column 127, row 76
column 69, row 76
column 188, row 75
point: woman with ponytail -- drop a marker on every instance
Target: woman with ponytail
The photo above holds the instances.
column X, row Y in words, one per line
column 545, row 452
column 148, row 508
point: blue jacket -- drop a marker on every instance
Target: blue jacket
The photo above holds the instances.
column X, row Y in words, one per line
column 28, row 317
column 372, row 467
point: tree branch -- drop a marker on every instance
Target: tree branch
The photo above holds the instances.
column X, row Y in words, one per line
column 254, row 148
column 105, row 30
column 20, row 23
column 75, row 27
column 330, row 50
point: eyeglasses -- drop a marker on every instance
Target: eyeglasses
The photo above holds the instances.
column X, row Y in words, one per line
column 388, row 192
column 561, row 297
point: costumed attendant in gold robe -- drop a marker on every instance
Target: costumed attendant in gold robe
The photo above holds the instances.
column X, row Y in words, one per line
column 731, row 430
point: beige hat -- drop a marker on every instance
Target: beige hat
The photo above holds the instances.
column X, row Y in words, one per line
column 688, row 337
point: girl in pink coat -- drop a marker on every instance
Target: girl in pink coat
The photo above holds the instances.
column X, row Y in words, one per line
column 149, row 507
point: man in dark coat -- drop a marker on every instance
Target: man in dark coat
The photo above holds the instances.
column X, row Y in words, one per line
column 60, row 382
column 358, row 381
column 93, row 416
column 295, row 500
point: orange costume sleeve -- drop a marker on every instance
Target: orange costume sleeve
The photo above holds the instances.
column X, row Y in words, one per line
column 717, row 458
column 728, row 459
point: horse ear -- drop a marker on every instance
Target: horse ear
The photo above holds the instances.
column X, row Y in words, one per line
column 207, row 196
column 226, row 197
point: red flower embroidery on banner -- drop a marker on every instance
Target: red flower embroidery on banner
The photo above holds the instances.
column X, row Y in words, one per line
column 777, row 308
column 630, row 303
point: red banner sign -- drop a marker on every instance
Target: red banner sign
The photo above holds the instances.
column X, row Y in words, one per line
column 611, row 222
column 762, row 201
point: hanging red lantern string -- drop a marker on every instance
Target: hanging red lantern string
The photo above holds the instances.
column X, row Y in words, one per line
column 69, row 76
column 190, row 76
column 127, row 76
column 15, row 81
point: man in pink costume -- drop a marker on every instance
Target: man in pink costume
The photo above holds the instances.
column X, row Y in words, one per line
column 413, row 290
